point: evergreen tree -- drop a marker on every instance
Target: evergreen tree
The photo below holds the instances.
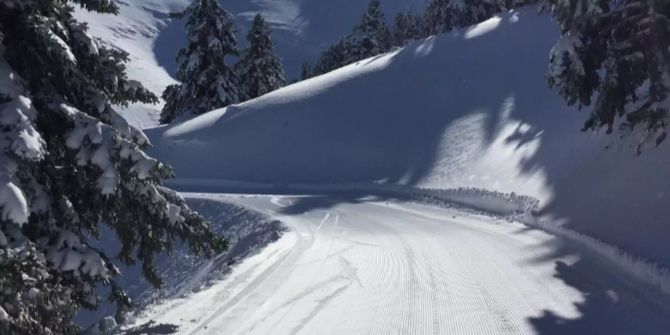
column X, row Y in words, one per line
column 260, row 70
column 69, row 164
column 439, row 17
column 444, row 15
column 407, row 26
column 207, row 83
column 306, row 71
column 370, row 37
column 331, row 59
column 618, row 53
column 467, row 13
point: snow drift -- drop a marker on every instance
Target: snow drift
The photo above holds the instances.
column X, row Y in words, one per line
column 466, row 109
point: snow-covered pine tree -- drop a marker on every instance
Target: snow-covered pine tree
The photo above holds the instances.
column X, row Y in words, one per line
column 370, row 37
column 259, row 69
column 444, row 15
column 207, row 82
column 69, row 165
column 618, row 53
column 438, row 17
column 331, row 59
column 407, row 26
column 470, row 12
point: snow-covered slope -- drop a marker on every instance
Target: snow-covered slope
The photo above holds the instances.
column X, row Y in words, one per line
column 135, row 30
column 366, row 266
column 303, row 28
column 467, row 109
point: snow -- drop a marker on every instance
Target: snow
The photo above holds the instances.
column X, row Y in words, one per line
column 485, row 27
column 64, row 47
column 566, row 48
column 173, row 214
column 13, row 203
column 68, row 254
column 371, row 266
column 19, row 136
column 475, row 113
column 18, row 139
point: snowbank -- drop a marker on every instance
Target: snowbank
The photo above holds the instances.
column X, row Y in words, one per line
column 509, row 206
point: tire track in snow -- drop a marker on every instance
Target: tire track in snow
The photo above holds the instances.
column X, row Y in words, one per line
column 330, row 246
column 321, row 306
column 275, row 269
column 309, row 291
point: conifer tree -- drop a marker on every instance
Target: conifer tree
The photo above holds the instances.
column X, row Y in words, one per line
column 444, row 15
column 331, row 59
column 471, row 12
column 618, row 53
column 207, row 82
column 306, row 71
column 259, row 69
column 439, row 17
column 69, row 165
column 407, row 26
column 370, row 37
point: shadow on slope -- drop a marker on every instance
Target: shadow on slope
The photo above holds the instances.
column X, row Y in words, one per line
column 168, row 43
column 183, row 272
column 617, row 309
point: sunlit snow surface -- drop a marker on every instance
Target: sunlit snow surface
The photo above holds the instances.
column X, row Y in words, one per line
column 366, row 266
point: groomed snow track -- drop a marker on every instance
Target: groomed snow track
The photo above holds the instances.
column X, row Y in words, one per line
column 371, row 266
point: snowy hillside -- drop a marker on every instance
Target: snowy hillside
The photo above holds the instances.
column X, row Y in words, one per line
column 303, row 28
column 467, row 109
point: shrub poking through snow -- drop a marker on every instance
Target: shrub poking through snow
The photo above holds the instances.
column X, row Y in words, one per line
column 70, row 163
column 207, row 82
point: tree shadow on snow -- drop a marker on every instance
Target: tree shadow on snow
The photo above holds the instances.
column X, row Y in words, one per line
column 363, row 137
column 615, row 309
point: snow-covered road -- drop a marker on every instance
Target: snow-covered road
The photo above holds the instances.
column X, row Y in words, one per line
column 365, row 266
